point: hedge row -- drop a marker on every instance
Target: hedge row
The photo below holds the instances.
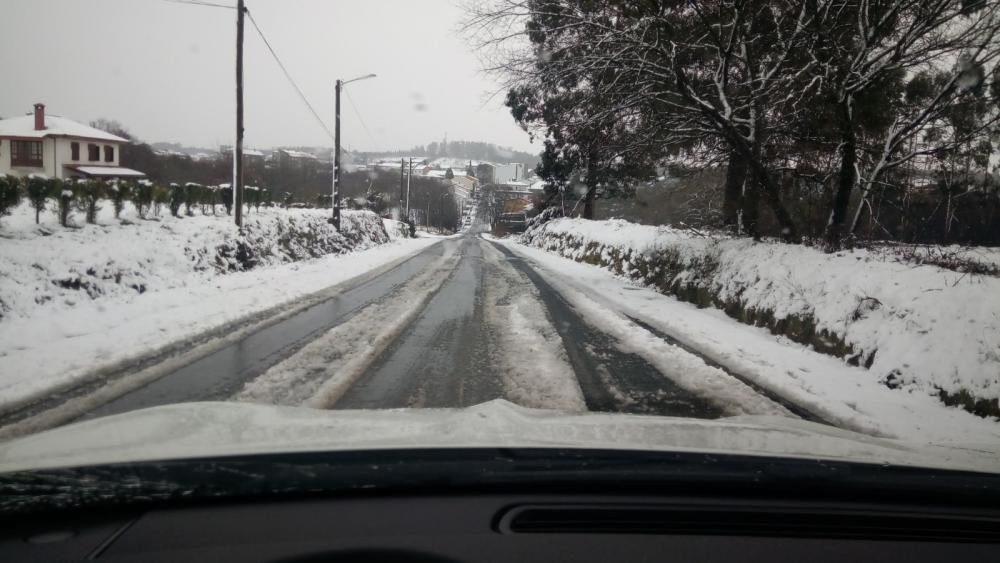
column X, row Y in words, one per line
column 147, row 197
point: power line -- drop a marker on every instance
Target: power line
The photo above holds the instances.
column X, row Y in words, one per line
column 361, row 119
column 288, row 76
column 200, row 3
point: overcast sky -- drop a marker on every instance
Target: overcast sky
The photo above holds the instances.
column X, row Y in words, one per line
column 166, row 70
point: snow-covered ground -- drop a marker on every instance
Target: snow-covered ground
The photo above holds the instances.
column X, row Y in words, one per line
column 851, row 397
column 147, row 286
column 921, row 328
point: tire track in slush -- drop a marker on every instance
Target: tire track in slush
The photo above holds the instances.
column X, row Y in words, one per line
column 318, row 374
column 483, row 336
column 612, row 380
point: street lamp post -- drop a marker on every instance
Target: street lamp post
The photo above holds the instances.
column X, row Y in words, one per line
column 336, row 148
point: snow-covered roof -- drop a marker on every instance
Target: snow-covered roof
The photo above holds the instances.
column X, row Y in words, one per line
column 465, row 181
column 24, row 126
column 453, row 162
column 108, row 171
column 299, row 154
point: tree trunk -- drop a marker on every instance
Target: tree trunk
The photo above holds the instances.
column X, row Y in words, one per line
column 761, row 184
column 37, row 212
column 732, row 197
column 765, row 186
column 588, row 201
column 845, row 179
column 750, row 207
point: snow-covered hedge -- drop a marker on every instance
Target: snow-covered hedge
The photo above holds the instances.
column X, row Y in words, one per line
column 289, row 237
column 920, row 328
column 50, row 266
column 396, row 229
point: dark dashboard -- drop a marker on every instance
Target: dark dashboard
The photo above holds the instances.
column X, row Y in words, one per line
column 499, row 505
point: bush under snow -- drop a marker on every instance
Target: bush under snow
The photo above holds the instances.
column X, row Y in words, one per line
column 47, row 265
column 917, row 327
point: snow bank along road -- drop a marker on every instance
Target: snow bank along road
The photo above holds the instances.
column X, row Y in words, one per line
column 461, row 322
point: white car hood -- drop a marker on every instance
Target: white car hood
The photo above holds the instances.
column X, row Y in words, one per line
column 215, row 429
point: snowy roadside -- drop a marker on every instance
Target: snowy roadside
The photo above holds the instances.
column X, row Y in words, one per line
column 47, row 266
column 74, row 336
column 847, row 396
column 918, row 328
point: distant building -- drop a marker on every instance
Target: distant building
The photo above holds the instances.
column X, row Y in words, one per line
column 58, row 147
column 462, row 188
column 506, row 173
column 253, row 155
column 490, row 173
column 296, row 155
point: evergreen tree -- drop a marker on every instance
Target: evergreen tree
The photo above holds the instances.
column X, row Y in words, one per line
column 119, row 191
column 190, row 198
column 64, row 194
column 89, row 194
column 161, row 197
column 225, row 195
column 142, row 197
column 177, row 197
column 38, row 192
column 10, row 194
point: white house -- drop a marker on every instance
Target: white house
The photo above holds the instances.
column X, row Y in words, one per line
column 58, row 147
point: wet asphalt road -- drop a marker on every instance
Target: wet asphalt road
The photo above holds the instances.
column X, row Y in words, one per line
column 446, row 359
column 443, row 358
column 447, row 356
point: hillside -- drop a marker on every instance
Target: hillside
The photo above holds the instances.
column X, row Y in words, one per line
column 469, row 150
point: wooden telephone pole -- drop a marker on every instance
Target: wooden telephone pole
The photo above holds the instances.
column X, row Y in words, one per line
column 238, row 147
column 408, row 174
column 336, row 158
column 402, row 183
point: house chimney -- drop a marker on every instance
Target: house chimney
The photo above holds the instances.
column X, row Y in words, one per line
column 39, row 117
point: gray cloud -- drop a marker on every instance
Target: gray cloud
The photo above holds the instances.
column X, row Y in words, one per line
column 166, row 70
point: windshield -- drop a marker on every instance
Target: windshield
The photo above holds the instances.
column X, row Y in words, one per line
column 767, row 228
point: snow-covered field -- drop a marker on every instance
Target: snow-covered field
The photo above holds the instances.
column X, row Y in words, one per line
column 79, row 300
column 920, row 329
column 843, row 395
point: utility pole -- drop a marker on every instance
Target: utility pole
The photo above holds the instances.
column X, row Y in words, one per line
column 402, row 176
column 238, row 148
column 336, row 148
column 336, row 159
column 408, row 189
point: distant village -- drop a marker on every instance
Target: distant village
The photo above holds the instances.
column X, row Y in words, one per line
column 462, row 176
column 45, row 145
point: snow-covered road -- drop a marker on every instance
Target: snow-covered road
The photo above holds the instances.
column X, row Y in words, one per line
column 469, row 319
column 459, row 323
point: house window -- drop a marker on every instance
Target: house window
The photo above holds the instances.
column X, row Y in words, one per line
column 93, row 153
column 26, row 153
column 109, row 153
column 75, row 149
